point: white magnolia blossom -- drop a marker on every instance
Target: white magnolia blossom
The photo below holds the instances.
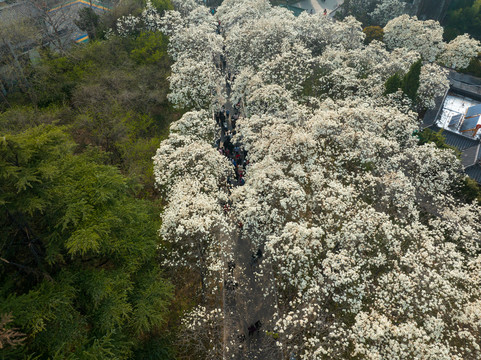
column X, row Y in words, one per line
column 151, row 17
column 279, row 70
column 371, row 253
column 202, row 15
column 192, row 225
column 196, row 84
column 387, row 10
column 185, row 7
column 201, row 332
column 425, row 37
column 188, row 152
column 171, row 22
column 199, row 41
column 433, row 82
column 127, row 25
column 196, row 125
column 233, row 12
column 262, row 40
column 195, row 159
column 360, row 72
column 148, row 20
column 460, row 51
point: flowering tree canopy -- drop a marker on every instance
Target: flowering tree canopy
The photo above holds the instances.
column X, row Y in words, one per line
column 460, row 51
column 387, row 10
column 426, row 37
column 369, row 252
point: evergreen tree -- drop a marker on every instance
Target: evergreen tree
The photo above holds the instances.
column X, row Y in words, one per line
column 77, row 267
column 393, row 84
column 410, row 82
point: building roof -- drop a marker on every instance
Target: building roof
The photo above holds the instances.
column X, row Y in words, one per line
column 460, row 109
column 471, row 156
column 474, row 172
column 458, row 141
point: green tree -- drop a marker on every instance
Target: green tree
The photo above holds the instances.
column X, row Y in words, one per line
column 393, row 84
column 78, row 263
column 464, row 16
column 410, row 83
column 373, row 33
column 88, row 21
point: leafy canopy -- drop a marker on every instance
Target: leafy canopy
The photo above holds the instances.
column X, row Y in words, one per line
column 78, row 266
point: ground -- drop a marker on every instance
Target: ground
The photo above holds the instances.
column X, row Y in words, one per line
column 318, row 6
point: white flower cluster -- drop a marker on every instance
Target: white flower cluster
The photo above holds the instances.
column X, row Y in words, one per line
column 387, row 10
column 426, row 37
column 433, row 81
column 460, row 51
column 192, row 174
column 196, row 81
column 372, row 256
column 148, row 20
column 202, row 333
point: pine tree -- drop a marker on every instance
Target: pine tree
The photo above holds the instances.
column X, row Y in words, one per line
column 410, row 82
column 77, row 268
column 393, row 84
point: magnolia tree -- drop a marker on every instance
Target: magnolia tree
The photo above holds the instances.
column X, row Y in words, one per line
column 200, row 42
column 196, row 84
column 370, row 254
column 185, row 7
column 192, row 175
column 425, row 37
column 460, row 51
column 340, row 204
column 148, row 20
column 263, row 39
column 241, row 13
column 433, row 81
column 387, row 10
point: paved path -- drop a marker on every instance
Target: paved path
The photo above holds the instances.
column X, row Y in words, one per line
column 249, row 295
column 318, row 6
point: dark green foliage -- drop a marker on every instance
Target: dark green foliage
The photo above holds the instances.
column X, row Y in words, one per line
column 471, row 190
column 474, row 67
column 410, row 83
column 111, row 94
column 373, row 33
column 88, row 21
column 150, row 48
column 428, row 136
column 361, row 14
column 78, row 269
column 393, row 84
column 161, row 5
column 464, row 16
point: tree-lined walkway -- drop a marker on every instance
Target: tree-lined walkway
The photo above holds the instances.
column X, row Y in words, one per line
column 250, row 304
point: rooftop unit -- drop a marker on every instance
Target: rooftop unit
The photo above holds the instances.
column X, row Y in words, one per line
column 471, row 124
column 455, row 121
column 473, row 111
